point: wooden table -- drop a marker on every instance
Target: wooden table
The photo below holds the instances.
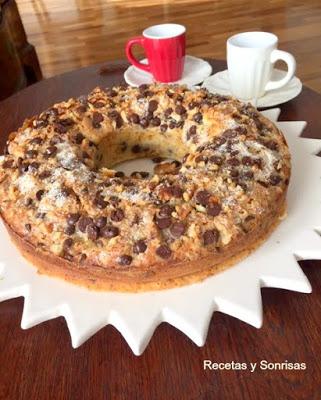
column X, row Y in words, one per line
column 40, row 363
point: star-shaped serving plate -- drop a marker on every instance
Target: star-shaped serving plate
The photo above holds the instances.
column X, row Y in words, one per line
column 235, row 291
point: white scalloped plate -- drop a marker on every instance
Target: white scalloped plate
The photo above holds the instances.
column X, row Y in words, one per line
column 235, row 291
column 195, row 71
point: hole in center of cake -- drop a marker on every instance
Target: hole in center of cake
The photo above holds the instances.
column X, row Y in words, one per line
column 146, row 167
column 130, row 144
column 133, row 152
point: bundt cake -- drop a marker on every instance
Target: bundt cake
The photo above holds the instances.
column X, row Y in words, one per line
column 73, row 216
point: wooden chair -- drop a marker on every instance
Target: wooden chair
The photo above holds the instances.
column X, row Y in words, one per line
column 19, row 65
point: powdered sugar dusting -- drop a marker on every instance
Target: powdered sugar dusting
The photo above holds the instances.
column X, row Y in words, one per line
column 66, row 156
column 26, row 183
column 55, row 195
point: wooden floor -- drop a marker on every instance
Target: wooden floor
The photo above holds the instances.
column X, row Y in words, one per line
column 69, row 34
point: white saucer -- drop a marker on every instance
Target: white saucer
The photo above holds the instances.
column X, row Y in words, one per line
column 219, row 83
column 195, row 71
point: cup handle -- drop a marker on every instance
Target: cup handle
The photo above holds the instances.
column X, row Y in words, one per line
column 133, row 60
column 291, row 63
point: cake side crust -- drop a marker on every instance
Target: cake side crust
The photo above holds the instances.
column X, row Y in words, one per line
column 57, row 267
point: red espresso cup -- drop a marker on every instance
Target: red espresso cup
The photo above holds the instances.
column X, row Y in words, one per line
column 164, row 46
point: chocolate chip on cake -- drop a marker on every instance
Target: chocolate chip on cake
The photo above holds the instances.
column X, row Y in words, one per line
column 82, row 258
column 39, row 194
column 114, row 200
column 137, row 148
column 100, row 222
column 177, row 229
column 111, row 92
column 271, row 144
column 246, row 160
column 210, row 236
column 191, row 132
column 233, row 161
column 230, row 133
column 115, row 116
column 139, row 174
column 139, row 247
column 66, row 192
column 70, row 229
column 68, row 256
column 83, row 223
column 152, row 105
column 143, row 87
column 8, row 164
column 168, row 112
column 164, row 251
column 73, row 218
column 37, row 140
column 234, row 173
column 158, row 160
column 98, row 104
column 248, row 175
column 163, row 223
column 258, row 162
column 163, row 128
column 79, row 138
column 97, row 118
column 198, row 117
column 262, row 183
column 109, row 231
column 27, row 202
column 219, row 142
column 50, row 151
column 166, row 210
column 180, row 110
column 144, row 122
column 200, row 158
column 155, row 121
column 81, row 109
column 60, row 128
column 275, row 179
column 55, row 140
column 31, row 154
column 124, row 259
column 213, row 209
column 28, row 227
column 100, row 203
column 202, row 197
column 192, row 105
column 45, row 174
column 92, row 231
column 218, row 160
column 172, row 124
column 117, row 215
column 67, row 243
column 176, row 191
column 134, row 118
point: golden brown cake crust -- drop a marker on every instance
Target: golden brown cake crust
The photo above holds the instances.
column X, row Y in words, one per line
column 75, row 217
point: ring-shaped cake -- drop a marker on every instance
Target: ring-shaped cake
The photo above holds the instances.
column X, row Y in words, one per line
column 73, row 216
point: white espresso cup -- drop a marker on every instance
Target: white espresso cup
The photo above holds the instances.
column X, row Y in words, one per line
column 250, row 59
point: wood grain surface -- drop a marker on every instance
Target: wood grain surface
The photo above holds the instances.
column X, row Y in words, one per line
column 78, row 33
column 40, row 363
